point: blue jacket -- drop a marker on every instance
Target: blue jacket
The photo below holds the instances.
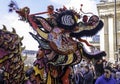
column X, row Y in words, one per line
column 118, row 81
column 103, row 80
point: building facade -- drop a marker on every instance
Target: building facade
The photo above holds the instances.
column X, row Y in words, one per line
column 109, row 12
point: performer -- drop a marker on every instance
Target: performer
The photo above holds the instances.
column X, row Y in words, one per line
column 40, row 65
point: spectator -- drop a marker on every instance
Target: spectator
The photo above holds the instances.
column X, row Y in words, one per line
column 88, row 76
column 82, row 69
column 30, row 73
column 92, row 69
column 38, row 79
column 99, row 68
column 118, row 77
column 106, row 78
column 1, row 76
column 118, row 67
column 78, row 77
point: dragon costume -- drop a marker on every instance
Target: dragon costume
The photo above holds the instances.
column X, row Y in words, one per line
column 10, row 56
column 60, row 39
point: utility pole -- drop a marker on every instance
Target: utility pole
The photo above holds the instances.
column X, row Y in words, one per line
column 115, row 21
column 115, row 18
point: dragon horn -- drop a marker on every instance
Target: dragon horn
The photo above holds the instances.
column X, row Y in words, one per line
column 23, row 48
column 13, row 30
column 4, row 27
column 21, row 38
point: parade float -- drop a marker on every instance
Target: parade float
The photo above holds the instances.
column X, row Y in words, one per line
column 60, row 43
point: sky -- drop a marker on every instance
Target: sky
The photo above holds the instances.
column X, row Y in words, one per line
column 11, row 20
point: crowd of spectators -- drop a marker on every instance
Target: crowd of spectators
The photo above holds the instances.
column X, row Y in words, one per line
column 97, row 72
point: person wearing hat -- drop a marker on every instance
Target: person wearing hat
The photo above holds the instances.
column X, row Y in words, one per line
column 106, row 78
